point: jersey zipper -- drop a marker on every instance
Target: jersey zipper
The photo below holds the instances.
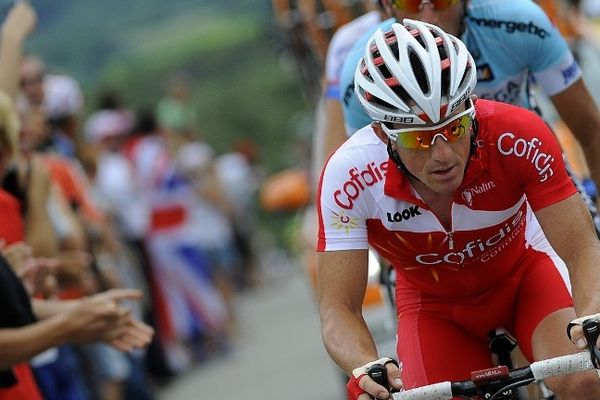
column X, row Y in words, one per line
column 450, row 234
column 450, row 240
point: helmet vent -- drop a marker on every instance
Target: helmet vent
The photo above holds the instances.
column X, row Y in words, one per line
column 381, row 103
column 419, row 70
column 403, row 94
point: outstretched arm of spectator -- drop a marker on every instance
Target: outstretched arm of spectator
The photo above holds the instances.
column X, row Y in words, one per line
column 17, row 26
column 92, row 319
column 100, row 318
column 21, row 344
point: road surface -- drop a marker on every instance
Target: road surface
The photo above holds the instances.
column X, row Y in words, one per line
column 278, row 355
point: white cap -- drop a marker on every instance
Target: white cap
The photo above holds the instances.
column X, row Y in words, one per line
column 106, row 123
column 195, row 155
column 62, row 96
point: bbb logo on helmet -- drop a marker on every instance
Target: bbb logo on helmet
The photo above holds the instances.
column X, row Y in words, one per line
column 460, row 101
column 400, row 120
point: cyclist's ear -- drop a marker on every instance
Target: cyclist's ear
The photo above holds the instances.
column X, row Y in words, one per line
column 474, row 98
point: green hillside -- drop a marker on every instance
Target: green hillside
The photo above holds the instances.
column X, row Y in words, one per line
column 243, row 87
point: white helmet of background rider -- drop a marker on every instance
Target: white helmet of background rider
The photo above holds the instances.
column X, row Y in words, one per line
column 415, row 73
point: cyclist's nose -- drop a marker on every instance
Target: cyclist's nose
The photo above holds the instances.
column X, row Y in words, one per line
column 440, row 149
column 428, row 13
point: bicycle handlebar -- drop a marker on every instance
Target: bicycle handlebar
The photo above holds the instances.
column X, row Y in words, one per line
column 437, row 391
column 563, row 365
column 538, row 370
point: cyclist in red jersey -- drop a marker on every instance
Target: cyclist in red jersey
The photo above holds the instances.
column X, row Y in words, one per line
column 470, row 201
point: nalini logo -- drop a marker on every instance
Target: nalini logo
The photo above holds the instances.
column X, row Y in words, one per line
column 529, row 150
column 468, row 197
column 357, row 182
column 469, row 193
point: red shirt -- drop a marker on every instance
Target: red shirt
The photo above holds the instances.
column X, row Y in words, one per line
column 11, row 222
column 12, row 231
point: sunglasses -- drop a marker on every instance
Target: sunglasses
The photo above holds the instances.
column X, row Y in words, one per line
column 415, row 6
column 422, row 139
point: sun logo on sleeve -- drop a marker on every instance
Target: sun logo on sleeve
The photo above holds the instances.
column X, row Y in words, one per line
column 341, row 221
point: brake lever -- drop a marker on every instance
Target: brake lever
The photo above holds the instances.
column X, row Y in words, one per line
column 591, row 331
column 378, row 373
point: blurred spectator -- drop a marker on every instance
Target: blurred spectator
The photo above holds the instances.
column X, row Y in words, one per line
column 239, row 179
column 32, row 74
column 175, row 112
column 61, row 104
column 78, row 321
column 195, row 160
column 61, row 99
column 189, row 311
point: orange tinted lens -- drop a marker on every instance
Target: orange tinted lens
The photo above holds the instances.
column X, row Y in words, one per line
column 414, row 6
column 407, row 5
column 442, row 4
column 422, row 139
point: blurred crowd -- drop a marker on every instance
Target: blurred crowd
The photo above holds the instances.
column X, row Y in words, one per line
column 115, row 199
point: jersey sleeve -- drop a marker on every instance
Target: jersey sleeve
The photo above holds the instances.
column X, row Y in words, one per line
column 548, row 55
column 533, row 155
column 341, row 207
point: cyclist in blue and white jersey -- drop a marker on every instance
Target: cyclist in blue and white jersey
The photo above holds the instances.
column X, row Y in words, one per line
column 329, row 124
column 512, row 42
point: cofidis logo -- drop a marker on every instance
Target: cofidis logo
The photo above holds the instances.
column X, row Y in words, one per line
column 357, row 182
column 483, row 249
column 530, row 150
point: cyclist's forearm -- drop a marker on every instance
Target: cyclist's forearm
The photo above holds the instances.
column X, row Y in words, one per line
column 585, row 280
column 347, row 339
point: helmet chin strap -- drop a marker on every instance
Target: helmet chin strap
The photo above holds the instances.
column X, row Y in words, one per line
column 395, row 157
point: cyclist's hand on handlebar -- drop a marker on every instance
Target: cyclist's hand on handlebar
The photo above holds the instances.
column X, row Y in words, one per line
column 364, row 383
column 585, row 333
column 575, row 330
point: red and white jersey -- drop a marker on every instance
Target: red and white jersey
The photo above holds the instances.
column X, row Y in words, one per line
column 365, row 200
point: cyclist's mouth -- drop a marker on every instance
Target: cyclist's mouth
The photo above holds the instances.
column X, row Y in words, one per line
column 443, row 173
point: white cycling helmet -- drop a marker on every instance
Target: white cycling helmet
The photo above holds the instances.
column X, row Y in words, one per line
column 415, row 73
